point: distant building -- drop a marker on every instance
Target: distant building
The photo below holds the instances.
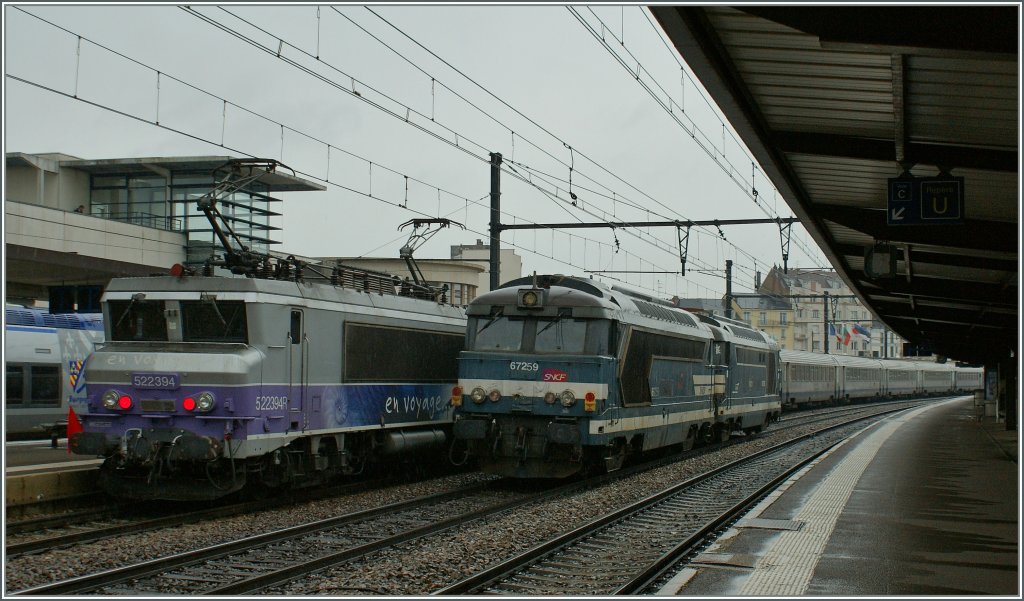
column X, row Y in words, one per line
column 466, row 273
column 805, row 290
column 510, row 264
column 461, row 277
column 790, row 307
column 770, row 314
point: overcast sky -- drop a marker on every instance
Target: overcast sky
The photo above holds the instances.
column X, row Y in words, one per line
column 538, row 72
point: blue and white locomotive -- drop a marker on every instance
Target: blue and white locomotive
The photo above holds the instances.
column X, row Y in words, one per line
column 562, row 374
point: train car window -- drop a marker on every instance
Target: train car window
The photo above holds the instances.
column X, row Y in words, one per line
column 213, row 321
column 295, row 329
column 45, row 385
column 137, row 320
column 497, row 333
column 15, row 389
column 387, row 354
column 560, row 335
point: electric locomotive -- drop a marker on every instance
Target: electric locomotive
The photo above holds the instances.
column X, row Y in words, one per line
column 562, row 375
column 206, row 383
column 281, row 373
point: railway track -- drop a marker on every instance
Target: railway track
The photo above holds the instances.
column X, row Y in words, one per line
column 260, row 562
column 75, row 528
column 625, row 551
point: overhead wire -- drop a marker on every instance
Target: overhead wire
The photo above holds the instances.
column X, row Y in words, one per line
column 266, row 49
column 693, row 131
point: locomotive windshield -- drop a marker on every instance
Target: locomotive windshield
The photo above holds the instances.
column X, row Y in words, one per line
column 201, row 321
column 560, row 334
column 213, row 321
column 137, row 319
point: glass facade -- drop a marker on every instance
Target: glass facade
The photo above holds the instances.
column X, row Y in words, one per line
column 151, row 200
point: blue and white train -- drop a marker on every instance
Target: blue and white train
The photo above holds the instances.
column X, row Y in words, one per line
column 562, row 375
column 208, row 383
column 44, row 357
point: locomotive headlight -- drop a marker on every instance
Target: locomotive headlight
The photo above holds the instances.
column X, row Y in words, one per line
column 204, row 402
column 478, row 395
column 550, row 398
column 568, row 398
column 494, row 395
column 109, row 399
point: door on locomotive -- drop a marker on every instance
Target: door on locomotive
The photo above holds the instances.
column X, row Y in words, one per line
column 298, row 346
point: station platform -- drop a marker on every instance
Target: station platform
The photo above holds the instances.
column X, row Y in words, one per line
column 34, row 471
column 923, row 503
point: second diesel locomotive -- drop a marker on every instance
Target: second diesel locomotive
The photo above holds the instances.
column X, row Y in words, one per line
column 562, row 374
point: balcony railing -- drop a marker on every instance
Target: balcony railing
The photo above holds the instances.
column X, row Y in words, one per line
column 160, row 222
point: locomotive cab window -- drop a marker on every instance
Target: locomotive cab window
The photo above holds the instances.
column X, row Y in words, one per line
column 213, row 321
column 138, row 320
column 559, row 334
column 496, row 333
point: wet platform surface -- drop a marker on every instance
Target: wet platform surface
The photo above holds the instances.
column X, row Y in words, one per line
column 923, row 503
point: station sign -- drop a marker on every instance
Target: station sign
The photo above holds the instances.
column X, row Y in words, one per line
column 925, row 201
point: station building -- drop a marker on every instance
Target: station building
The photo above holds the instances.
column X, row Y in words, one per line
column 72, row 224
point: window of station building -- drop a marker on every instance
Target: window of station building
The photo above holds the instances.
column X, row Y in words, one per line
column 815, row 345
column 139, row 199
column 783, row 317
column 815, row 314
column 763, row 319
column 247, row 212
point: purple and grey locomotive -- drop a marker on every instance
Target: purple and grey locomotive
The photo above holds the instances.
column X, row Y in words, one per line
column 207, row 383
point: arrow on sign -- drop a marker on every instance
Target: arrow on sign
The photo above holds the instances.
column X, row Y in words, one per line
column 897, row 214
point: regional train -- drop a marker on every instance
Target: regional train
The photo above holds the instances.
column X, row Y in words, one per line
column 45, row 355
column 563, row 375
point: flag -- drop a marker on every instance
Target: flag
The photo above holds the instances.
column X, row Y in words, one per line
column 832, row 332
column 846, row 335
column 861, row 332
column 74, row 426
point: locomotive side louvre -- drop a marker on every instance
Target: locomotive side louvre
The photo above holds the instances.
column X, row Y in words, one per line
column 271, row 357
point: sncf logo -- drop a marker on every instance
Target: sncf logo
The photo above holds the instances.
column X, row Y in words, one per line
column 555, row 375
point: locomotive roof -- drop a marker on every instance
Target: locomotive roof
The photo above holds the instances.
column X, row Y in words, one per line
column 304, row 293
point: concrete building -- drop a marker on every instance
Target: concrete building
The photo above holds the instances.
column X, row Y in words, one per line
column 466, row 273
column 510, row 265
column 74, row 224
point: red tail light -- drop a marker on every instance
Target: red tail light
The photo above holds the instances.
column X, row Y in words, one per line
column 124, row 401
column 189, row 404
